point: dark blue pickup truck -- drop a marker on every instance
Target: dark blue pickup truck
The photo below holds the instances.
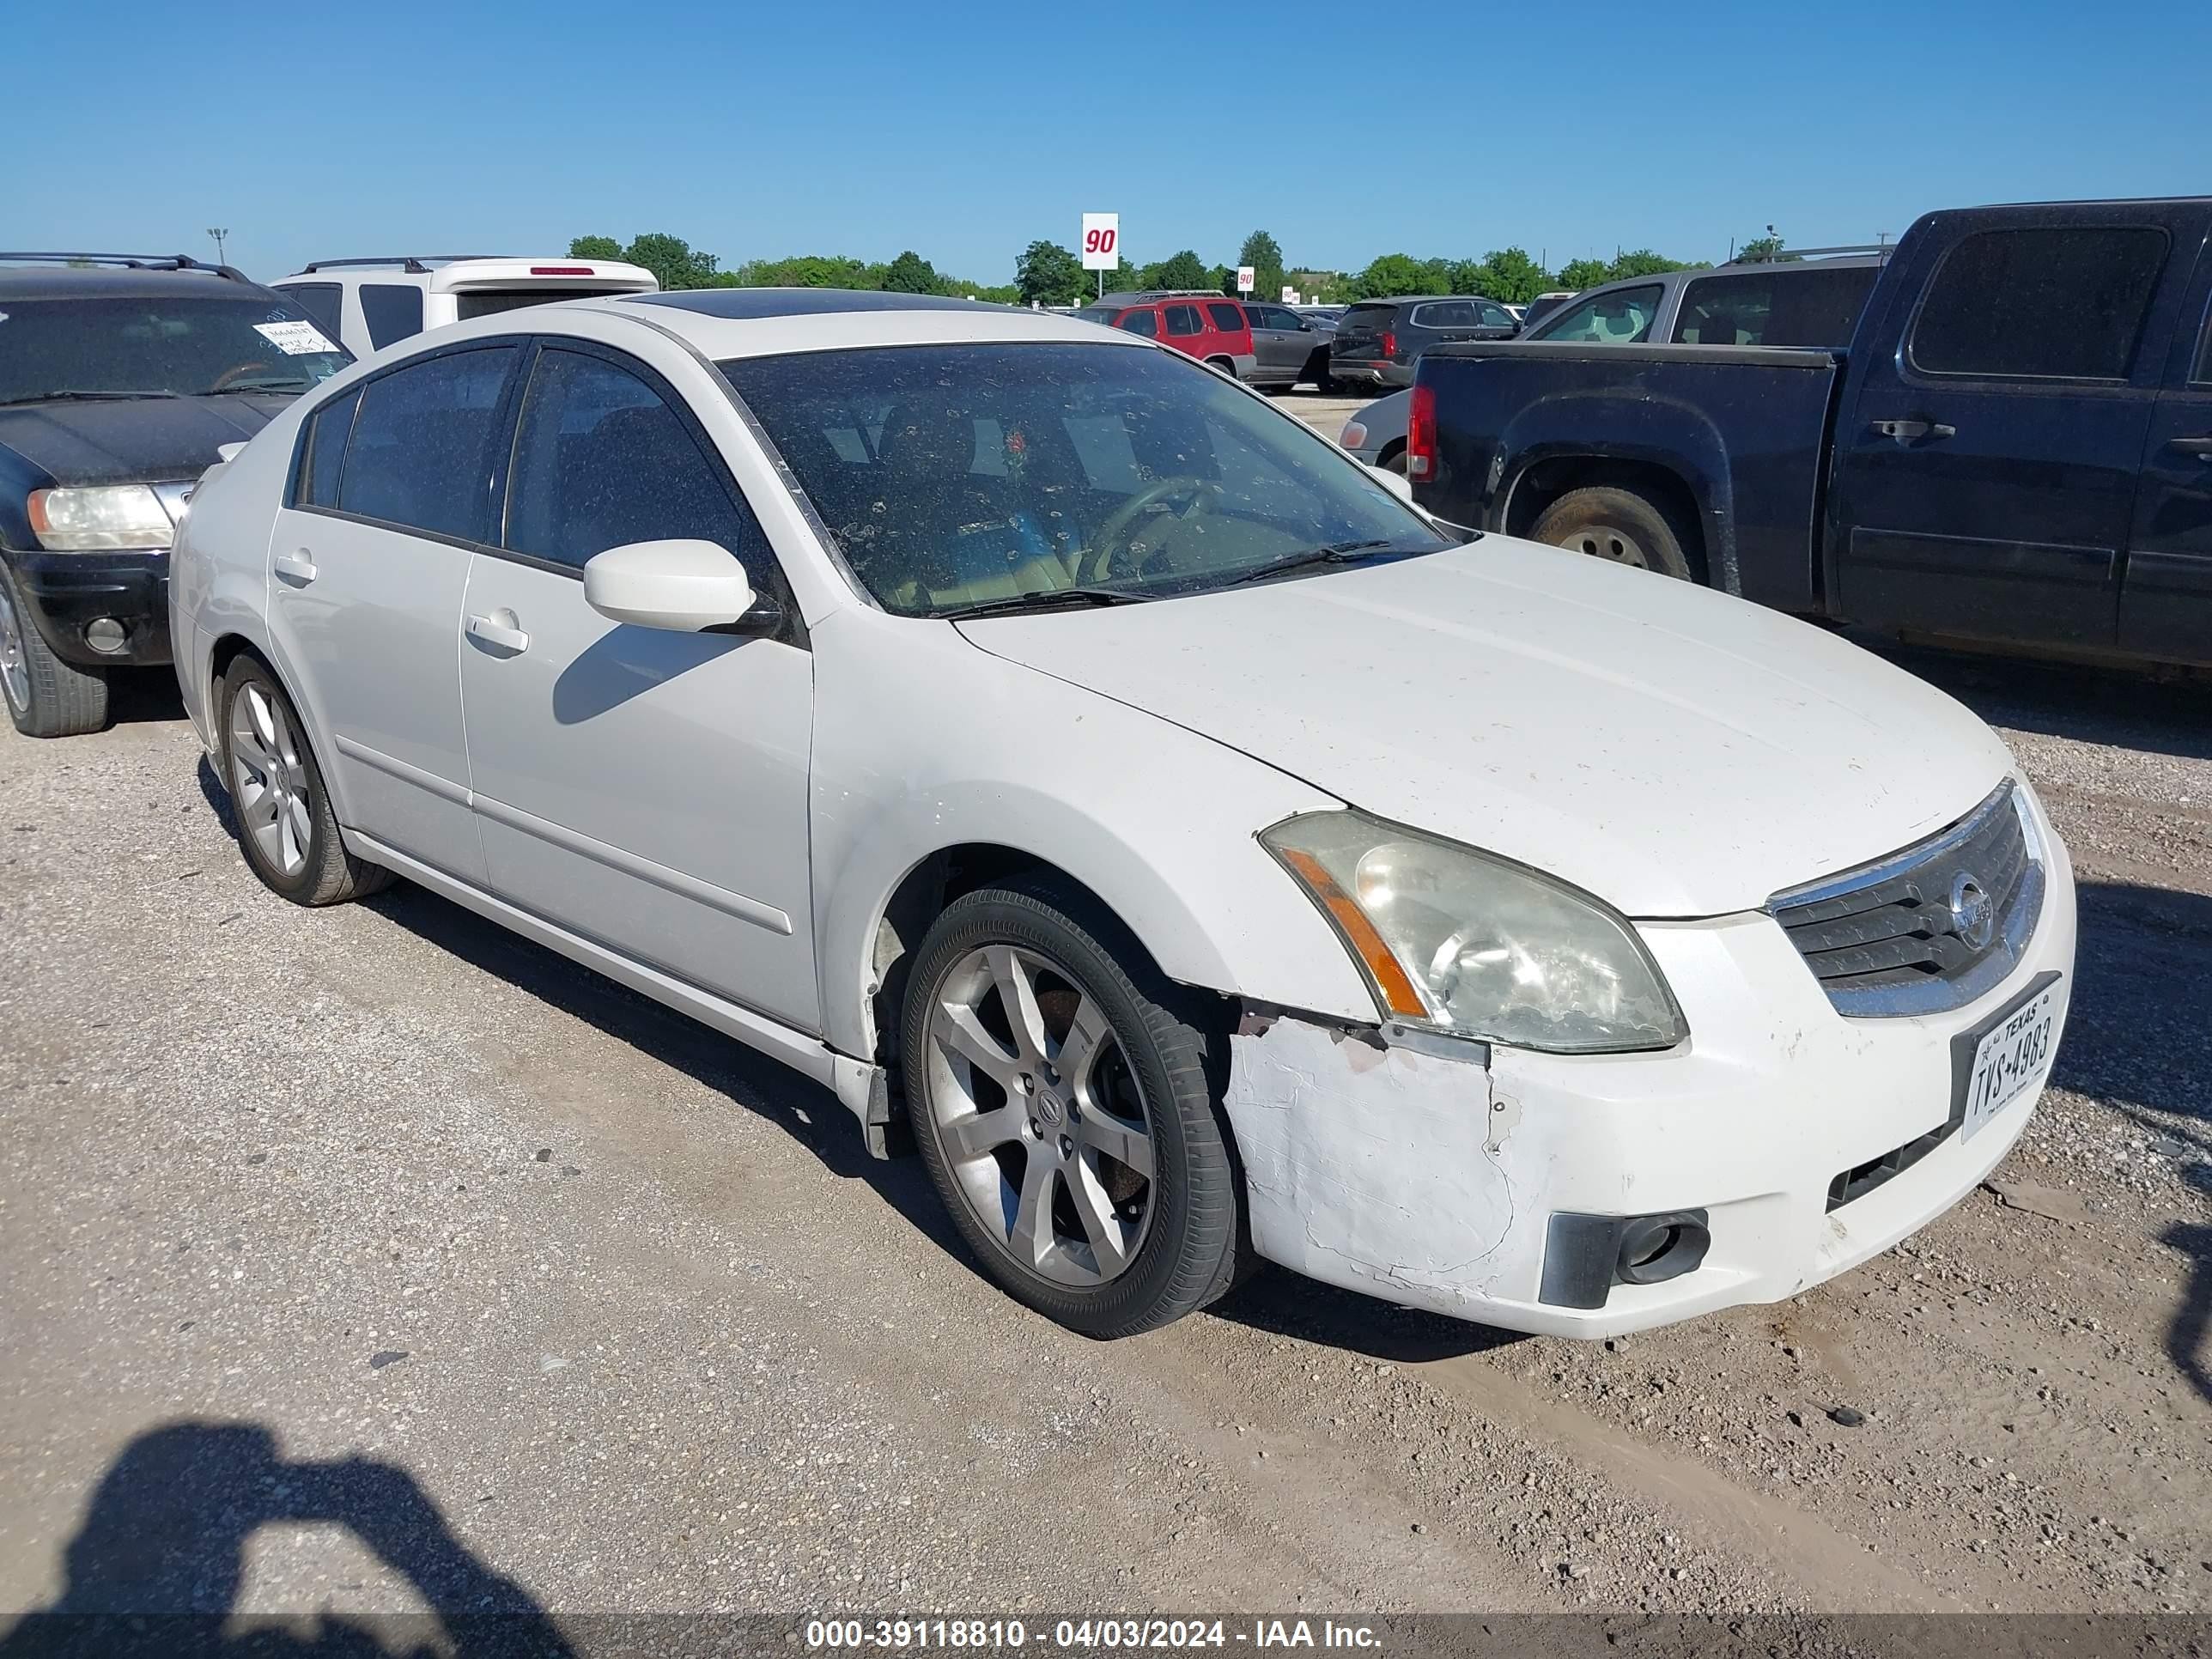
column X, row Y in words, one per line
column 2015, row 450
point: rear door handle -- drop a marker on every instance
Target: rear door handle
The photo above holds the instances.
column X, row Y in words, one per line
column 2199, row 447
column 499, row 629
column 1905, row 432
column 298, row 568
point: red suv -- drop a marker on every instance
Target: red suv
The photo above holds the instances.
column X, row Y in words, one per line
column 1207, row 325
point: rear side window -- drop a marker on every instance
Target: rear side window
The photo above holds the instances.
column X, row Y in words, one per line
column 1445, row 314
column 600, row 459
column 328, row 428
column 392, row 310
column 1140, row 322
column 2047, row 304
column 1182, row 319
column 1619, row 317
column 1227, row 318
column 422, row 452
column 1778, row 307
column 320, row 301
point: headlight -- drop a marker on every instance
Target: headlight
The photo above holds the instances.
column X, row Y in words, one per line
column 105, row 516
column 1456, row 940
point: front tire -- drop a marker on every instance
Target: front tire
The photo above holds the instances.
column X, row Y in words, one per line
column 285, row 824
column 46, row 696
column 1058, row 1089
column 1619, row 526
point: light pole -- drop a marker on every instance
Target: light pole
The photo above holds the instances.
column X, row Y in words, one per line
column 218, row 235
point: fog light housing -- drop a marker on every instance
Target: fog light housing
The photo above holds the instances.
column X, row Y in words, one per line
column 105, row 635
column 1586, row 1255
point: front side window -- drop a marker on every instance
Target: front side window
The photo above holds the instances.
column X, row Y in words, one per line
column 203, row 340
column 421, row 456
column 1226, row 317
column 2050, row 304
column 1181, row 320
column 1136, row 471
column 394, row 311
column 1496, row 316
column 1619, row 317
column 600, row 460
column 320, row 301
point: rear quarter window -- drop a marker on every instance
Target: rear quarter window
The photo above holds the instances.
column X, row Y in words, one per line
column 1227, row 318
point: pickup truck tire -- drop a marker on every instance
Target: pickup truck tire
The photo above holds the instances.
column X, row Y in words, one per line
column 1611, row 523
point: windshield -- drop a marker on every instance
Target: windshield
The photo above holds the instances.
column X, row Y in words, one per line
column 956, row 476
column 187, row 345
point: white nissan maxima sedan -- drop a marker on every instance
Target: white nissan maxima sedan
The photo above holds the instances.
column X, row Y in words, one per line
column 1043, row 742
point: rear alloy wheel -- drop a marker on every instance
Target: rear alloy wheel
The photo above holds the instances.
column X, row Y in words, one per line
column 1618, row 526
column 46, row 696
column 1062, row 1109
column 285, row 825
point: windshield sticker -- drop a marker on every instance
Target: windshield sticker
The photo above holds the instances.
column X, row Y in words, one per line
column 298, row 338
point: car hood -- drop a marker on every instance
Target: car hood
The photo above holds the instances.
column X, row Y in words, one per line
column 1675, row 752
column 147, row 439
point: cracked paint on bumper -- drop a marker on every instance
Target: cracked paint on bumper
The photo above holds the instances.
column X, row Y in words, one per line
column 1430, row 1181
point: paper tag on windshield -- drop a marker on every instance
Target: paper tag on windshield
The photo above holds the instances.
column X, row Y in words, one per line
column 298, row 338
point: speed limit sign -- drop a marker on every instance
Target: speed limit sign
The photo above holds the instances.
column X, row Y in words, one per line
column 1101, row 242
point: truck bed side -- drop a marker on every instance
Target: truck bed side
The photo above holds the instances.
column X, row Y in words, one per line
column 1733, row 440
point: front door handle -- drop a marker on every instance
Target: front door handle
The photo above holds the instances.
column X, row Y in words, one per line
column 500, row 630
column 1905, row 432
column 298, row 568
column 2200, row 446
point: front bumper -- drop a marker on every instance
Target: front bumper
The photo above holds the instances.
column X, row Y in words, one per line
column 65, row 592
column 1431, row 1181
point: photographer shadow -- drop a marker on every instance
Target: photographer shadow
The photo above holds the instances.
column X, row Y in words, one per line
column 157, row 1565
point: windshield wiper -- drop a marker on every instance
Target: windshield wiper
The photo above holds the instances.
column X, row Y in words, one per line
column 237, row 386
column 1333, row 553
column 76, row 394
column 1047, row 598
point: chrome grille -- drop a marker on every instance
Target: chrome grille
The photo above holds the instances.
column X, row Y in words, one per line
column 1926, row 929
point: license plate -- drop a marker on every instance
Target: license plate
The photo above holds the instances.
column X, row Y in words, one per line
column 2009, row 1057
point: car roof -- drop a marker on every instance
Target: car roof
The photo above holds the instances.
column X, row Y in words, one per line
column 47, row 282
column 750, row 322
column 463, row 271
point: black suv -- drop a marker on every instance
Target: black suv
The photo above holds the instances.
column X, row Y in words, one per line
column 1377, row 340
column 120, row 376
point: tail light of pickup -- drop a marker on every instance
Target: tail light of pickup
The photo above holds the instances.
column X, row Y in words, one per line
column 1421, row 433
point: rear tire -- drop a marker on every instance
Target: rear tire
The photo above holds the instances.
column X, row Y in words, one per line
column 1621, row 526
column 286, row 828
column 1394, row 460
column 1084, row 1163
column 46, row 696
column 1316, row 370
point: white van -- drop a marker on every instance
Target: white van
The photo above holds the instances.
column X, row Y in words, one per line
column 367, row 304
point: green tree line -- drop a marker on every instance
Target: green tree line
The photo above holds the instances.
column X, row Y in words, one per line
column 1048, row 273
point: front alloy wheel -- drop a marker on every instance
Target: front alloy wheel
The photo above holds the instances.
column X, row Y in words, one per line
column 1059, row 1089
column 1042, row 1121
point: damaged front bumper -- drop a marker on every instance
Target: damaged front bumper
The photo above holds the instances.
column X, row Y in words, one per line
column 1431, row 1176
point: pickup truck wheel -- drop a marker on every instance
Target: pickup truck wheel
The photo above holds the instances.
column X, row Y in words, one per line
column 1620, row 525
column 1059, row 1096
column 46, row 696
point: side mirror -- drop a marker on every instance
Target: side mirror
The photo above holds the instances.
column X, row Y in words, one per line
column 1396, row 483
column 685, row 587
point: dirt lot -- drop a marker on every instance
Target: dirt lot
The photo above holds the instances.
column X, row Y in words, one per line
column 459, row 1276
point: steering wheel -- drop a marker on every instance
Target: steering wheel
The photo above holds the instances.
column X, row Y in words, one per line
column 239, row 372
column 1204, row 494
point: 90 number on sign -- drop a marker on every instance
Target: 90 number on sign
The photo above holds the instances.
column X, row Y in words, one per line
column 1101, row 242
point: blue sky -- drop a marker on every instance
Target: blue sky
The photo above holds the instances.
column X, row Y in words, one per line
column 964, row 133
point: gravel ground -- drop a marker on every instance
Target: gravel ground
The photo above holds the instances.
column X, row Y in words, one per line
column 371, row 1259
